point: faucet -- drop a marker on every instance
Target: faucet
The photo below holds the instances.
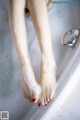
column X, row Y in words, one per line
column 71, row 37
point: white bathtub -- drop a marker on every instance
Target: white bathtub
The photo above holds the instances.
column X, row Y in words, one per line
column 62, row 18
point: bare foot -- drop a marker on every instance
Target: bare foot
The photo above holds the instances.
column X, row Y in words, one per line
column 31, row 89
column 47, row 81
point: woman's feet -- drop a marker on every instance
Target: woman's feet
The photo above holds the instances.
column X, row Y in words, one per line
column 47, row 81
column 45, row 90
column 31, row 89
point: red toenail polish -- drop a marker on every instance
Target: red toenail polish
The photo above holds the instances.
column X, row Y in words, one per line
column 33, row 100
column 45, row 104
column 42, row 106
column 39, row 104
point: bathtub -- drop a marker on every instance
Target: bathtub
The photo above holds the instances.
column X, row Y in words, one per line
column 62, row 18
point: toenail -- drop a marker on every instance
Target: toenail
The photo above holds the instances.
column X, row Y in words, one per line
column 39, row 104
column 45, row 104
column 42, row 105
column 33, row 100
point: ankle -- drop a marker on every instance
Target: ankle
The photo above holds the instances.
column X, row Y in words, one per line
column 48, row 58
column 28, row 73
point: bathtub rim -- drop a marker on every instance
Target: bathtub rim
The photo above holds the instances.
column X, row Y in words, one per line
column 44, row 113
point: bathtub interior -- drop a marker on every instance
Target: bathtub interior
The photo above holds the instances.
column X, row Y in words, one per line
column 62, row 18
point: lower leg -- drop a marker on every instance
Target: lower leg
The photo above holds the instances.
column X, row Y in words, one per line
column 17, row 22
column 38, row 11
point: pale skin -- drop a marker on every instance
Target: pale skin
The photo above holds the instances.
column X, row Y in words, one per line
column 44, row 90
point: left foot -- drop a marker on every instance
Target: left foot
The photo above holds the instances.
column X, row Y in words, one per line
column 30, row 87
column 47, row 81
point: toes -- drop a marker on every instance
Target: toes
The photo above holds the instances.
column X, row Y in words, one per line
column 51, row 96
column 39, row 104
column 45, row 100
column 46, row 103
column 48, row 100
column 29, row 97
column 35, row 97
column 47, row 97
column 36, row 94
column 42, row 102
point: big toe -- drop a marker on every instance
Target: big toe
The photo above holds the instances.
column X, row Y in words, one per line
column 36, row 94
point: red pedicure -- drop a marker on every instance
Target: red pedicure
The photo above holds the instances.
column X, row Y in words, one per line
column 42, row 106
column 39, row 104
column 33, row 100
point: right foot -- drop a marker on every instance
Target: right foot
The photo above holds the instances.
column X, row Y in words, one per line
column 31, row 89
column 47, row 81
